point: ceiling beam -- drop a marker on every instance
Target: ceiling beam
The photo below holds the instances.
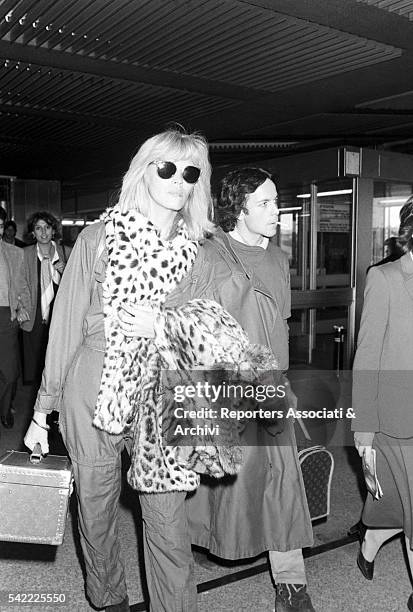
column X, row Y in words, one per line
column 349, row 16
column 122, row 72
column 71, row 117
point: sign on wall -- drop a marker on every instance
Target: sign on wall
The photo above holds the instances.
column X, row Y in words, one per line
column 334, row 217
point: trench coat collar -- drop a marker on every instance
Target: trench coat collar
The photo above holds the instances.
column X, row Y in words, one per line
column 256, row 282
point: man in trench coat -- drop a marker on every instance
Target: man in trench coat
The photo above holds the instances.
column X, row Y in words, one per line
column 264, row 507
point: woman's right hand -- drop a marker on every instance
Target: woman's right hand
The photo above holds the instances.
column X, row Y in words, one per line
column 137, row 321
column 22, row 315
column 363, row 441
column 59, row 266
column 37, row 432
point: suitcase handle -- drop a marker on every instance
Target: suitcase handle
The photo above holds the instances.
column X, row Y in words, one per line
column 36, row 454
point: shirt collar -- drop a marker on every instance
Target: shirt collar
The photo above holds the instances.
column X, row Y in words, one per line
column 237, row 236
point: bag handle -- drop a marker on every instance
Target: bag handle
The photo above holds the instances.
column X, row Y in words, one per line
column 304, row 429
column 36, row 454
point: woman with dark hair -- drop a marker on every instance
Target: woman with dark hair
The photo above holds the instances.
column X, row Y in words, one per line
column 44, row 263
column 382, row 398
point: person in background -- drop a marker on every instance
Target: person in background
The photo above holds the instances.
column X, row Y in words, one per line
column 44, row 263
column 12, row 312
column 382, row 399
column 10, row 231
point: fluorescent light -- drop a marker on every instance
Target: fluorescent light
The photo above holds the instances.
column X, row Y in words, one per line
column 290, row 208
column 78, row 222
column 392, row 201
column 323, row 194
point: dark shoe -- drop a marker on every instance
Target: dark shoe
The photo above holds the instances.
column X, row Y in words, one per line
column 123, row 606
column 410, row 603
column 293, row 598
column 366, row 567
column 7, row 420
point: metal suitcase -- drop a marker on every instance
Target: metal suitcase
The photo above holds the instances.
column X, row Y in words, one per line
column 34, row 497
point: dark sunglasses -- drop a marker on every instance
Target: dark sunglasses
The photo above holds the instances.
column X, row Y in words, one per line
column 166, row 169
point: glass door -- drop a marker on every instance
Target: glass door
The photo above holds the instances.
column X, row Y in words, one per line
column 317, row 231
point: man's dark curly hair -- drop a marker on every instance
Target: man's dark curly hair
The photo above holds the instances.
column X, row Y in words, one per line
column 234, row 188
column 406, row 225
column 47, row 217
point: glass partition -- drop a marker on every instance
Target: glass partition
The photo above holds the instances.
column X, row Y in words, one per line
column 332, row 215
column 293, row 234
column 334, row 219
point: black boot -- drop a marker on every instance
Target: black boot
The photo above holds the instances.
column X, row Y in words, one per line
column 123, row 606
column 293, row 598
column 410, row 603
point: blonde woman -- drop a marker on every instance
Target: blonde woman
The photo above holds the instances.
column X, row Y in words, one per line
column 102, row 373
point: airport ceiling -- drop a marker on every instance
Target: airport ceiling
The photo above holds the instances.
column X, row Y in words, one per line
column 83, row 82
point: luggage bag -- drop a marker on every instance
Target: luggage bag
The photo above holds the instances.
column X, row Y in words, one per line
column 317, row 465
column 34, row 497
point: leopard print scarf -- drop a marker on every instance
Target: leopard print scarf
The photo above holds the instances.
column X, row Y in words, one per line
column 141, row 268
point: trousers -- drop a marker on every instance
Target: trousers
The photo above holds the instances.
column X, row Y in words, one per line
column 288, row 567
column 96, row 459
column 9, row 360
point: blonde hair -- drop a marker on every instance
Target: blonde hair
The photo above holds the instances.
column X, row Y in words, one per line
column 174, row 143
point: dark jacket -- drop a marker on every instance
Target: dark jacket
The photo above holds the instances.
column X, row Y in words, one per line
column 32, row 280
column 383, row 365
